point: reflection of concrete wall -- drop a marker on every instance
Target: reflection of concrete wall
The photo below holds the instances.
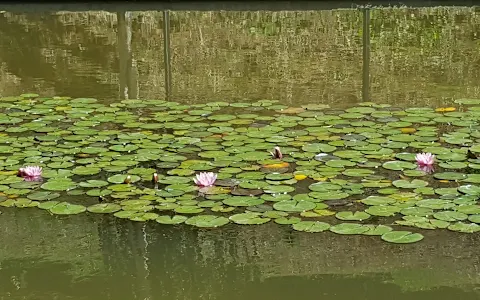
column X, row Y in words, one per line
column 441, row 259
column 28, row 234
column 419, row 56
column 120, row 259
column 42, row 255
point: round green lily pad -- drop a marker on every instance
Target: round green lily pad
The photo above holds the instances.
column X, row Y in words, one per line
column 173, row 220
column 207, row 221
column 65, row 208
column 294, row 206
column 311, row 226
column 402, row 237
column 464, row 227
column 450, row 216
column 352, row 216
column 349, row 228
column 287, row 220
column 59, row 185
column 243, row 201
column 376, row 229
column 104, row 208
column 249, row 218
column 42, row 196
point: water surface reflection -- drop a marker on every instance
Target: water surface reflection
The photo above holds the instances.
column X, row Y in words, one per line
column 89, row 257
column 421, row 56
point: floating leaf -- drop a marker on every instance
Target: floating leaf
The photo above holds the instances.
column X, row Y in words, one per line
column 382, row 211
column 349, row 228
column 450, row 216
column 47, row 204
column 464, row 227
column 414, row 184
column 311, row 226
column 65, row 208
column 249, row 218
column 207, row 221
column 352, row 216
column 188, row 209
column 59, row 185
column 42, row 196
column 376, row 229
column 104, row 208
column 178, row 219
column 402, row 237
column 243, row 201
column 294, row 206
column 120, row 178
column 287, row 220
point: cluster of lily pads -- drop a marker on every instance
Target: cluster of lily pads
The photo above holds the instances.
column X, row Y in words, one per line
column 352, row 171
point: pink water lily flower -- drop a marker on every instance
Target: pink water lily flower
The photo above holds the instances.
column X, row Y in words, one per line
column 426, row 168
column 205, row 179
column 276, row 153
column 30, row 173
column 425, row 159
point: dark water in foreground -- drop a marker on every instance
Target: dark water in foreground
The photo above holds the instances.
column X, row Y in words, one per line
column 418, row 56
column 91, row 257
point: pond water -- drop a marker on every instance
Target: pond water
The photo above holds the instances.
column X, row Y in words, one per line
column 371, row 101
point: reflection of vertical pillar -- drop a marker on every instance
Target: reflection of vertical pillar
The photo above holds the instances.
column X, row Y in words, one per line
column 166, row 54
column 128, row 78
column 140, row 244
column 112, row 236
column 366, row 55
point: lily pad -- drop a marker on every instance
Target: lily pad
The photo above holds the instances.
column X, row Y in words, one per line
column 377, row 229
column 349, row 228
column 402, row 237
column 243, row 201
column 65, row 208
column 120, row 178
column 59, row 185
column 104, row 208
column 382, row 211
column 42, row 196
column 464, row 227
column 450, row 216
column 414, row 184
column 311, row 226
column 173, row 220
column 287, row 220
column 294, row 206
column 249, row 218
column 352, row 216
column 207, row 221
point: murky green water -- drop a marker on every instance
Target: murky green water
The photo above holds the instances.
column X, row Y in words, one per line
column 417, row 57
